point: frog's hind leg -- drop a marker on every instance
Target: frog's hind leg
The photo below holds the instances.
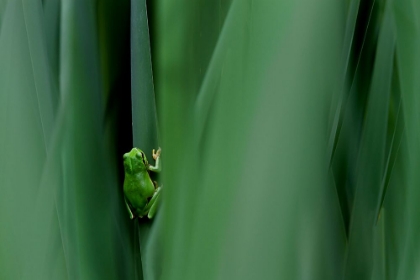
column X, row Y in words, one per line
column 153, row 204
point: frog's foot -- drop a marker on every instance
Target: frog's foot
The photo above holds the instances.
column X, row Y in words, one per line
column 155, row 184
column 156, row 154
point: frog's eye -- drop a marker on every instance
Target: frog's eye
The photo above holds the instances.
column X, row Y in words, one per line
column 141, row 156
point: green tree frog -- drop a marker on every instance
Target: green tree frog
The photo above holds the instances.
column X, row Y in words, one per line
column 140, row 193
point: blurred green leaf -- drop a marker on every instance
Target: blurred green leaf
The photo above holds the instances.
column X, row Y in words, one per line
column 348, row 120
column 145, row 129
column 62, row 212
column 51, row 25
column 371, row 162
column 25, row 124
column 407, row 14
column 233, row 199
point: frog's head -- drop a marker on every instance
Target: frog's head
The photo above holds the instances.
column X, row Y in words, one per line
column 135, row 161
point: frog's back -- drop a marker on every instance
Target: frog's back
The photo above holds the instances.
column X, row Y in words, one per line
column 137, row 188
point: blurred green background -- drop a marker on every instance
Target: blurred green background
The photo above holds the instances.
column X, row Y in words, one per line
column 290, row 133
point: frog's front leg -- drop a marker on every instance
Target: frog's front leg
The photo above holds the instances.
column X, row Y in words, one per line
column 129, row 209
column 153, row 203
column 156, row 157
